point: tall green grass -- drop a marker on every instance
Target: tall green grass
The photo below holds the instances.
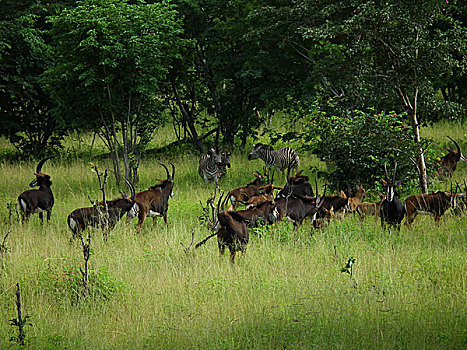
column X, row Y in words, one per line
column 408, row 289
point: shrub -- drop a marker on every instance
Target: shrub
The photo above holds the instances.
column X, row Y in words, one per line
column 357, row 145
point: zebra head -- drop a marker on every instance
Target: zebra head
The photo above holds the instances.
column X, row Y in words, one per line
column 258, row 150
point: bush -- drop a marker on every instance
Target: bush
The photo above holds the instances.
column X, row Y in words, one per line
column 357, row 145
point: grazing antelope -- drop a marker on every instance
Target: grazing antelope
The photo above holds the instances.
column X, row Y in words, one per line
column 81, row 218
column 366, row 209
column 436, row 203
column 40, row 200
column 243, row 194
column 153, row 202
column 392, row 210
column 231, row 231
column 450, row 160
column 280, row 160
column 357, row 199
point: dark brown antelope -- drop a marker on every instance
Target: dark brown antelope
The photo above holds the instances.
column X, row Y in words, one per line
column 153, row 202
column 40, row 200
column 450, row 160
column 298, row 208
column 436, row 203
column 298, row 184
column 230, row 229
column 81, row 218
column 392, row 210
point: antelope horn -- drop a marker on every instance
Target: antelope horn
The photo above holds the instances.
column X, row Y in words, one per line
column 386, row 172
column 459, row 152
column 132, row 189
column 173, row 170
column 394, row 175
column 41, row 163
column 166, row 170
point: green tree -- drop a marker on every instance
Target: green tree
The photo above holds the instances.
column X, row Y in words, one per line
column 111, row 58
column 26, row 109
column 371, row 54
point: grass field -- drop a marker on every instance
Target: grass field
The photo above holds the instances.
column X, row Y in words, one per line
column 408, row 289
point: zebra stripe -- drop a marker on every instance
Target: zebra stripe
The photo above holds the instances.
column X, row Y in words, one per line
column 209, row 166
column 282, row 159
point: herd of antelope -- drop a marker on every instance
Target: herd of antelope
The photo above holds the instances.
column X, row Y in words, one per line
column 296, row 200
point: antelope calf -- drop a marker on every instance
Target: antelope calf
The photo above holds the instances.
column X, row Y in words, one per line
column 40, row 200
column 370, row 209
column 356, row 199
column 153, row 202
column 243, row 194
column 321, row 222
column 81, row 218
column 265, row 196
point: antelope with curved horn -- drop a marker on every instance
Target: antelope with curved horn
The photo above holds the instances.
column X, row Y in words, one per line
column 81, row 218
column 392, row 210
column 153, row 202
column 450, row 160
column 40, row 200
column 230, row 229
column 436, row 203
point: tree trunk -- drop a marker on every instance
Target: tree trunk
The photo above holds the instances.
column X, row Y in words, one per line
column 422, row 176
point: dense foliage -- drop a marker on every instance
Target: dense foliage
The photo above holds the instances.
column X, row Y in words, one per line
column 357, row 146
column 222, row 68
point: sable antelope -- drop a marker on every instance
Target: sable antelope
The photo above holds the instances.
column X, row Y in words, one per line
column 40, row 200
column 280, row 160
column 357, row 199
column 365, row 209
column 243, row 194
column 153, row 202
column 266, row 211
column 392, row 210
column 298, row 208
column 450, row 160
column 231, row 231
column 81, row 218
column 436, row 203
column 265, row 196
column 298, row 184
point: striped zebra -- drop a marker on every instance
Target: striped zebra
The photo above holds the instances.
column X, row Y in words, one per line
column 213, row 164
column 282, row 159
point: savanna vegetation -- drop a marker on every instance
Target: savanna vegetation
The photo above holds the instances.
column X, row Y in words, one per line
column 124, row 85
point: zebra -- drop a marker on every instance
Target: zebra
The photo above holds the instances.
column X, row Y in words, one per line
column 284, row 158
column 213, row 165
